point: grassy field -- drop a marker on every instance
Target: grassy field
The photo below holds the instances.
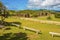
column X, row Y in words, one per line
column 45, row 29
column 46, row 18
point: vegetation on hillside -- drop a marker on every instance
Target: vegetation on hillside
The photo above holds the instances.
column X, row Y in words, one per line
column 34, row 13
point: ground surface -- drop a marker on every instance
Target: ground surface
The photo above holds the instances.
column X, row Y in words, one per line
column 45, row 29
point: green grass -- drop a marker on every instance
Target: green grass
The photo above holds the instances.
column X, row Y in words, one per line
column 45, row 18
column 45, row 29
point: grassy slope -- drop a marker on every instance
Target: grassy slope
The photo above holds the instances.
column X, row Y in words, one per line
column 45, row 29
column 45, row 18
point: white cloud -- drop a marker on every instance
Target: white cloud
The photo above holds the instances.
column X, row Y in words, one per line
column 50, row 2
column 43, row 3
column 58, row 6
column 47, row 2
column 34, row 3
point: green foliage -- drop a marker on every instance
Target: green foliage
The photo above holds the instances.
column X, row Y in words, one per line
column 57, row 15
column 34, row 15
column 3, row 11
column 49, row 18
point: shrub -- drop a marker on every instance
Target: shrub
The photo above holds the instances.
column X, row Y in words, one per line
column 57, row 15
column 49, row 18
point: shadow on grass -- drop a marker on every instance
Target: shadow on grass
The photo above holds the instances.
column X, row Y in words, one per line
column 15, row 36
column 20, row 36
column 8, row 28
column 5, row 36
column 56, row 35
column 9, row 23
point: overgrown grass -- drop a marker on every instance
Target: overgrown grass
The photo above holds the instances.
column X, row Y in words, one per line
column 45, row 29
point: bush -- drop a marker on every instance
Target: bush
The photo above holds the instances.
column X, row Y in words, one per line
column 34, row 15
column 49, row 18
column 57, row 15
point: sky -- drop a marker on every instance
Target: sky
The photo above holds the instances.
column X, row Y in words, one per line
column 32, row 4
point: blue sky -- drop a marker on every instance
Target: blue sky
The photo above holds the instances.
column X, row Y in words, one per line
column 15, row 4
column 32, row 4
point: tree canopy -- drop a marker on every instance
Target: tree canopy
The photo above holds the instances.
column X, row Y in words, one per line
column 3, row 11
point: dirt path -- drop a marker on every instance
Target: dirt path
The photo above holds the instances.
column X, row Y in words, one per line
column 42, row 21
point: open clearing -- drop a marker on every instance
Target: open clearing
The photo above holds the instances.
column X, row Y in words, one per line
column 45, row 29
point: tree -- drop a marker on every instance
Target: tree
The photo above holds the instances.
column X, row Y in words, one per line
column 3, row 12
